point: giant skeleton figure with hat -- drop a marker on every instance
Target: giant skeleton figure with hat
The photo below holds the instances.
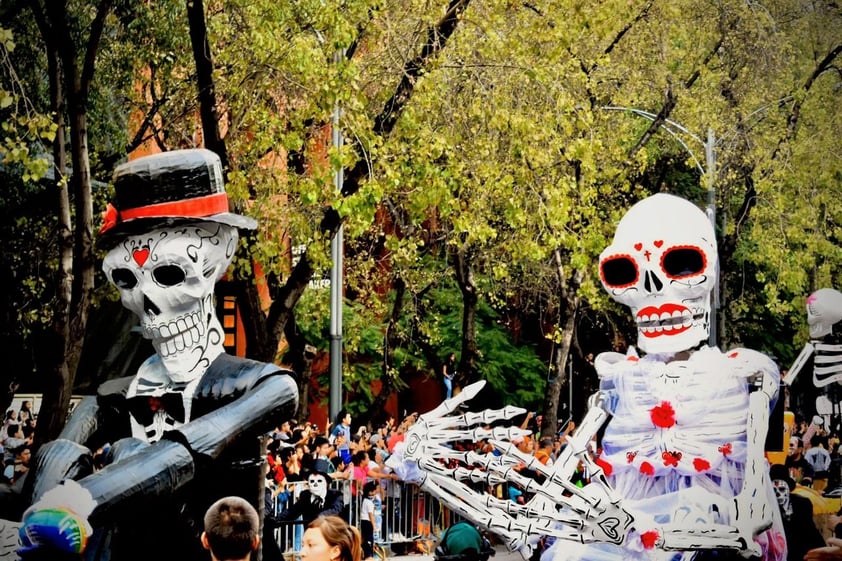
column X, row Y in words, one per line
column 681, row 472
column 185, row 430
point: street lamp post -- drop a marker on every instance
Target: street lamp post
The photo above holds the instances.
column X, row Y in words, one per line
column 336, row 278
column 708, row 172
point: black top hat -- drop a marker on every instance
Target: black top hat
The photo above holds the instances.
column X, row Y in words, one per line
column 781, row 473
column 168, row 189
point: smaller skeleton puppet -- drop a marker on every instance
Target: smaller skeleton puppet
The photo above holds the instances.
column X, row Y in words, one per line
column 680, row 471
column 185, row 430
column 824, row 311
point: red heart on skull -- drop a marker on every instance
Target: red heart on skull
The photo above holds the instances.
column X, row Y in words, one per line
column 659, row 243
column 638, row 246
column 140, row 256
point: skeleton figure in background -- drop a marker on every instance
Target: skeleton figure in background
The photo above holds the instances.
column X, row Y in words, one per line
column 185, row 430
column 824, row 310
column 682, row 467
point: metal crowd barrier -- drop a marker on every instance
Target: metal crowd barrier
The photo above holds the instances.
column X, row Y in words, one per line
column 410, row 519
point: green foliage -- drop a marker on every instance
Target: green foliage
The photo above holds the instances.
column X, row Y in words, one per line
column 23, row 128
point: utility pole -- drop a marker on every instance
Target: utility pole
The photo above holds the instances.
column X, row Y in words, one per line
column 336, row 278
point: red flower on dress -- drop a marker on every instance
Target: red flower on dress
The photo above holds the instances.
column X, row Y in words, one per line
column 671, row 458
column 649, row 539
column 607, row 468
column 110, row 218
column 630, row 456
column 701, row 464
column 647, row 469
column 663, row 415
column 726, row 449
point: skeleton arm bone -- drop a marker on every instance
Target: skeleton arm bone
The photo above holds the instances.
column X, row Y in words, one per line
column 799, row 363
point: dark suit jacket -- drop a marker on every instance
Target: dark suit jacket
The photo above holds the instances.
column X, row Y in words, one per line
column 307, row 509
column 801, row 532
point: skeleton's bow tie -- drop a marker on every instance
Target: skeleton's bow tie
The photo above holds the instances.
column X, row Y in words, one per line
column 144, row 407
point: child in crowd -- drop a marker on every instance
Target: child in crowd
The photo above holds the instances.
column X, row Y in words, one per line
column 367, row 518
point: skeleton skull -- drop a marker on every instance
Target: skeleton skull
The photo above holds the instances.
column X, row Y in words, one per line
column 662, row 264
column 782, row 494
column 824, row 309
column 317, row 484
column 166, row 277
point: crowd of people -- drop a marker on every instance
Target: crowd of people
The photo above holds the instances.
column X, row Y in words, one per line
column 16, row 442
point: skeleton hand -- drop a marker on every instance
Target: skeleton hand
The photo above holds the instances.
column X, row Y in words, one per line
column 589, row 514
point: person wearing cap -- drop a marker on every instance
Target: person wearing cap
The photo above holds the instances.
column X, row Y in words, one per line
column 797, row 515
column 186, row 428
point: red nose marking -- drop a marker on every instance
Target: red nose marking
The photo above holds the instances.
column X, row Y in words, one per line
column 140, row 256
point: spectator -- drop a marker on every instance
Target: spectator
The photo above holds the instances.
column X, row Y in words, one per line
column 231, row 530
column 448, row 372
column 343, row 427
column 831, row 552
column 25, row 412
column 314, row 501
column 545, row 451
column 819, row 459
column 795, row 461
column 367, row 519
column 11, row 419
column 797, row 515
column 329, row 538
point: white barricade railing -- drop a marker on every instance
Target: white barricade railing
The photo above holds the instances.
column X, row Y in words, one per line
column 407, row 514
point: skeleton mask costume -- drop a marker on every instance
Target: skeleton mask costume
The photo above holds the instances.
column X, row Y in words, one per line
column 166, row 269
column 317, row 484
column 681, row 466
column 663, row 264
column 782, row 494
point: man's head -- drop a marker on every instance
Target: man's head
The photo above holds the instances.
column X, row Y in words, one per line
column 232, row 529
column 794, row 446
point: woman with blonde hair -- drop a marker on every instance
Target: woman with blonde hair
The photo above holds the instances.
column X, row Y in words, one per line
column 330, row 538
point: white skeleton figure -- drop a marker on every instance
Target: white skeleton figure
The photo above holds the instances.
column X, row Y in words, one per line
column 166, row 277
column 682, row 467
column 824, row 310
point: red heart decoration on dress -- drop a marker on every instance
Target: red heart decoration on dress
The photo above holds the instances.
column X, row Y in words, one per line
column 140, row 256
column 638, row 246
column 659, row 243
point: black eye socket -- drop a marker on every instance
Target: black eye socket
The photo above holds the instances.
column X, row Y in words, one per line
column 123, row 278
column 619, row 271
column 679, row 262
column 168, row 275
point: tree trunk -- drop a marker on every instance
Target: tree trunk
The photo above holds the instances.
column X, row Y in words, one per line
column 467, row 371
column 561, row 381
column 76, row 255
column 204, row 80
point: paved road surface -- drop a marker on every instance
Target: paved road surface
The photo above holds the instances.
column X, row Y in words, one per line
column 502, row 554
